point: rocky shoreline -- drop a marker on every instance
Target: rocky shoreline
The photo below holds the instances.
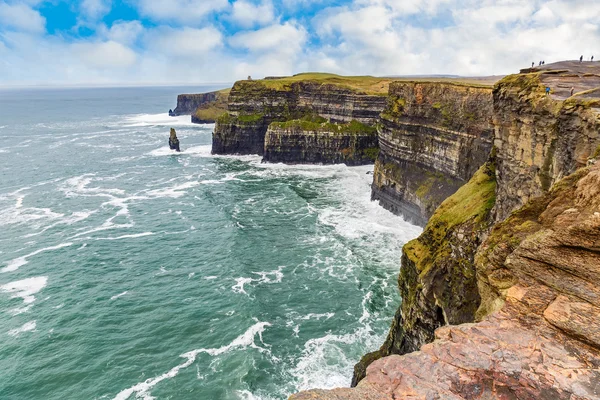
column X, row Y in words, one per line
column 498, row 293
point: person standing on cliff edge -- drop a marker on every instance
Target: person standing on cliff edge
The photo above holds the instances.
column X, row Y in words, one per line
column 173, row 141
column 581, row 59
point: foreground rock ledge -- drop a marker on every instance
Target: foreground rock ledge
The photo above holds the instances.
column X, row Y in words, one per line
column 544, row 341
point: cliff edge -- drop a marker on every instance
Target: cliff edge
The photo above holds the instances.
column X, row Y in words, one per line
column 499, row 294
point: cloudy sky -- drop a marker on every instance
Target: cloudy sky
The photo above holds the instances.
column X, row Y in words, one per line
column 106, row 42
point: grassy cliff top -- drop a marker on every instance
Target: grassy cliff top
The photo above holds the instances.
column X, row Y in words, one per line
column 365, row 84
column 221, row 92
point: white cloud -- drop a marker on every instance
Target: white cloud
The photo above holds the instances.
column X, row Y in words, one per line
column 280, row 37
column 94, row 9
column 247, row 14
column 125, row 32
column 21, row 17
column 102, row 55
column 186, row 42
column 187, row 11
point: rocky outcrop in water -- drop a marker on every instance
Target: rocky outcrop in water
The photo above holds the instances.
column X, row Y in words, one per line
column 433, row 137
column 173, row 141
column 254, row 105
column 516, row 249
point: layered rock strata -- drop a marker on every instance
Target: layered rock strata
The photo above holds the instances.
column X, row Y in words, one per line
column 187, row 104
column 299, row 141
column 433, row 136
column 522, row 260
column 541, row 139
column 254, row 105
column 540, row 266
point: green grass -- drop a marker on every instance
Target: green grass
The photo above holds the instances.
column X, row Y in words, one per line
column 319, row 124
column 471, row 203
column 213, row 110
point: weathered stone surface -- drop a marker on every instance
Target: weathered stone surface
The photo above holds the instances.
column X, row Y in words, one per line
column 541, row 139
column 299, row 142
column 437, row 281
column 536, row 270
column 253, row 106
column 188, row 103
column 433, row 136
column 542, row 342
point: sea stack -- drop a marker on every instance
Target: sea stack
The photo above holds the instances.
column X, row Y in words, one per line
column 173, row 141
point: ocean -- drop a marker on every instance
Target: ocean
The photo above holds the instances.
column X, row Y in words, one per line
column 128, row 271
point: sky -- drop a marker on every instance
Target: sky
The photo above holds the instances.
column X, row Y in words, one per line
column 134, row 42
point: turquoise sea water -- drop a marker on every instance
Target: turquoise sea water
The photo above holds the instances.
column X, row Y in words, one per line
column 128, row 271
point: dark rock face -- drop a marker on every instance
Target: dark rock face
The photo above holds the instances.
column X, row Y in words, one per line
column 173, row 141
column 187, row 104
column 437, row 280
column 433, row 136
column 327, row 144
column 541, row 139
column 252, row 107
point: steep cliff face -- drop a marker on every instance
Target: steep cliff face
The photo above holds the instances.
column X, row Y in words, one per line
column 320, row 142
column 543, row 343
column 433, row 137
column 540, row 139
column 437, row 280
column 523, row 263
column 337, row 99
column 188, row 103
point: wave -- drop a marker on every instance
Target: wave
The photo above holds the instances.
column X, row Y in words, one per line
column 162, row 119
column 26, row 288
column 245, row 340
column 27, row 327
column 130, row 236
column 18, row 262
column 116, row 296
column 264, row 278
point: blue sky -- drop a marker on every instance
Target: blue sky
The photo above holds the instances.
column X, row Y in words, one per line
column 131, row 42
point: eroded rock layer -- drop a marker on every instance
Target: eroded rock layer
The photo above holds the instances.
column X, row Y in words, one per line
column 188, row 103
column 543, row 343
column 541, row 139
column 321, row 143
column 433, row 136
column 254, row 105
column 524, row 262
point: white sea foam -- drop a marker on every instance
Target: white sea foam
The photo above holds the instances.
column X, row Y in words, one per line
column 130, row 236
column 174, row 191
column 18, row 262
column 26, row 288
column 324, row 363
column 264, row 278
column 162, row 119
column 116, row 296
column 246, row 340
column 318, row 316
column 210, row 278
column 27, row 327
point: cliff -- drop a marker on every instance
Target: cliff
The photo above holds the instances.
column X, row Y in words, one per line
column 254, row 105
column 518, row 250
column 203, row 107
column 317, row 141
column 541, row 139
column 433, row 137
